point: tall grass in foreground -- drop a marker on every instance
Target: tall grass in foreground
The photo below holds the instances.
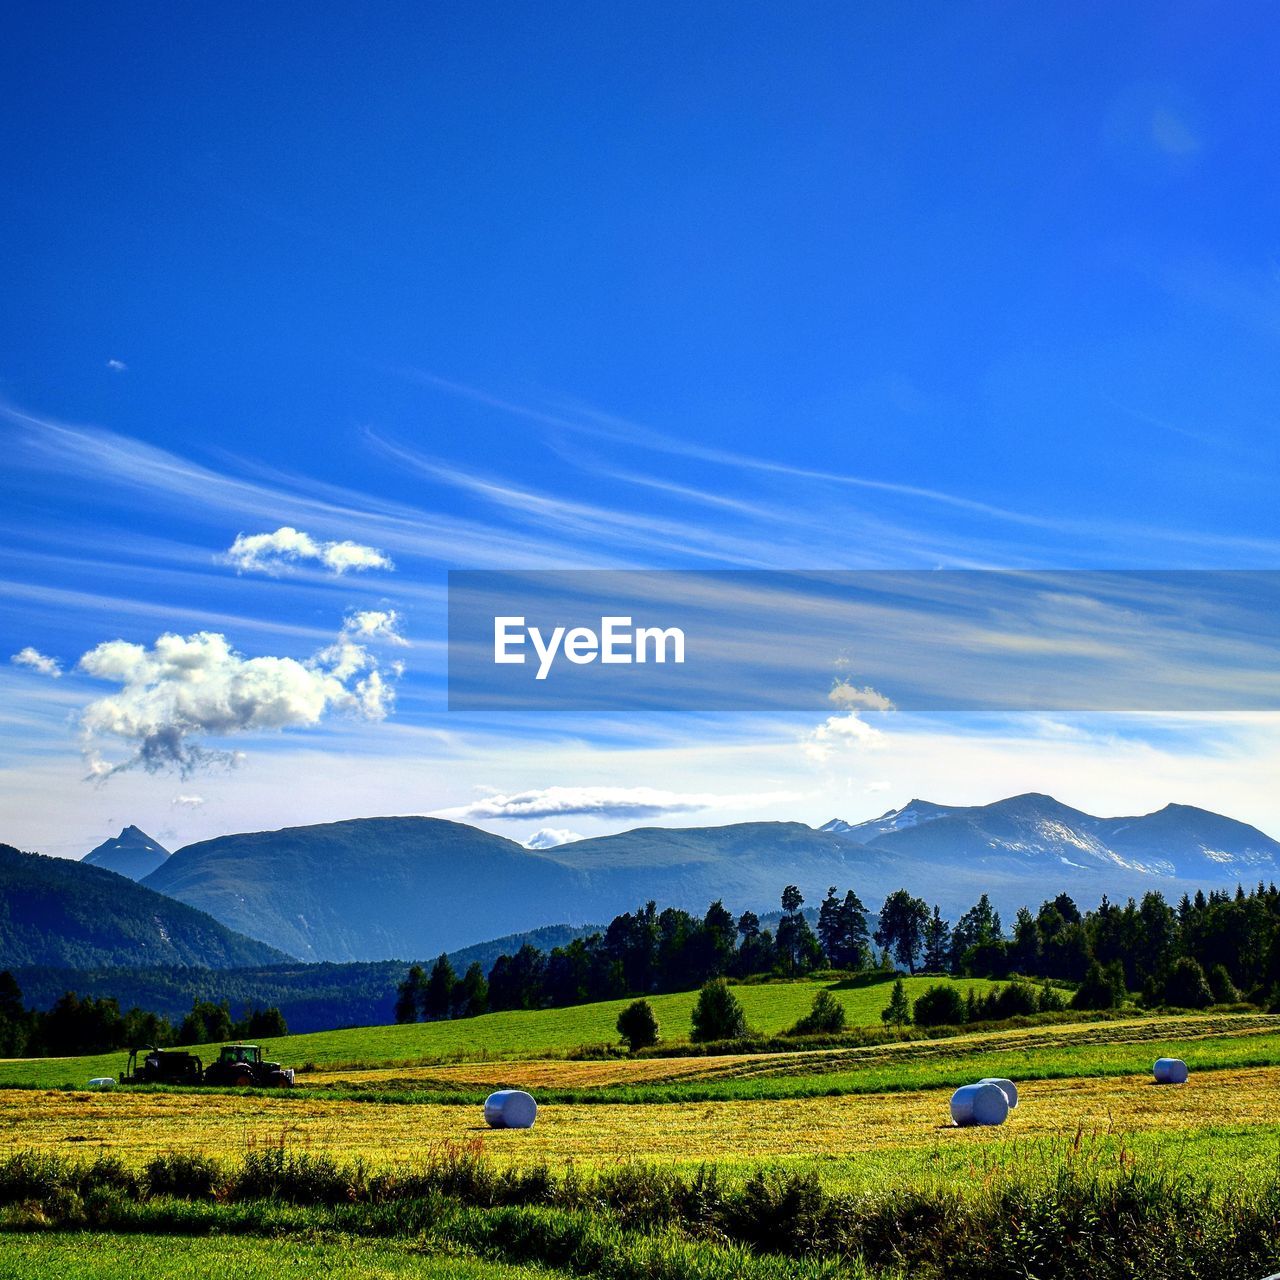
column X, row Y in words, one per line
column 1083, row 1212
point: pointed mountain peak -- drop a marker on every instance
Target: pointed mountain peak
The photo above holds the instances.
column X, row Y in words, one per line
column 132, row 853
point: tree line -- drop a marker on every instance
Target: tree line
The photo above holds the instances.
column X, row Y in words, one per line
column 1218, row 948
column 646, row 952
column 96, row 1024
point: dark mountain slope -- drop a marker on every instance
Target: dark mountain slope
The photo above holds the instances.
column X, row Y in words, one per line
column 57, row 912
column 312, row 997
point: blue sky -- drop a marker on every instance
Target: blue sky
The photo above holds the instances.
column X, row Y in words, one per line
column 705, row 286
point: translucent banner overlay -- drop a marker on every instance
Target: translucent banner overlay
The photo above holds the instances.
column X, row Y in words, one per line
column 946, row 640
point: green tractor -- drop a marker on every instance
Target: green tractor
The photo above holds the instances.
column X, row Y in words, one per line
column 241, row 1065
column 162, row 1066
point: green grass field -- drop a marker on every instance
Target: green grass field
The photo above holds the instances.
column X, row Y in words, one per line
column 770, row 1008
column 95, row 1256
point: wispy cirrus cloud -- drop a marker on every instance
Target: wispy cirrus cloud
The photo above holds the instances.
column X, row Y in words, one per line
column 977, row 532
column 176, row 483
column 274, row 552
column 38, row 662
column 591, row 801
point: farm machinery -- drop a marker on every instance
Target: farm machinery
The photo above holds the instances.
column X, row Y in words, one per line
column 242, row 1065
column 239, row 1065
column 149, row 1065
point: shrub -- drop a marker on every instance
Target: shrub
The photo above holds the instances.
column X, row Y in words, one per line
column 1051, row 998
column 940, row 1006
column 1186, row 987
column 897, row 1013
column 717, row 1014
column 1224, row 990
column 1100, row 989
column 638, row 1025
column 1014, row 1000
column 825, row 1017
column 184, row 1177
column 30, row 1175
column 296, row 1179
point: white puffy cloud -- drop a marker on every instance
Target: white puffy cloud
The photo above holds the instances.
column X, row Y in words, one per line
column 184, row 688
column 550, row 837
column 374, row 624
column 849, row 696
column 271, row 552
column 848, row 730
column 38, row 662
column 837, row 734
column 187, row 802
column 341, row 556
column 117, row 366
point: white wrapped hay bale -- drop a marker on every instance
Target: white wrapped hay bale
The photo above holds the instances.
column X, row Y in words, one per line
column 1007, row 1087
column 1170, row 1071
column 979, row 1104
column 102, row 1082
column 510, row 1109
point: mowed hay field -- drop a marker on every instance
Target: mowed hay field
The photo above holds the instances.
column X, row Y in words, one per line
column 864, row 1115
column 856, row 1129
column 1043, row 1052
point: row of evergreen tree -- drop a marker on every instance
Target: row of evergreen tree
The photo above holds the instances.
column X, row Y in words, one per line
column 1207, row 949
column 96, row 1024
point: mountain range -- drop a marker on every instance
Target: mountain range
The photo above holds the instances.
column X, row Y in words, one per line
column 1030, row 832
column 57, row 912
column 407, row 888
column 376, row 888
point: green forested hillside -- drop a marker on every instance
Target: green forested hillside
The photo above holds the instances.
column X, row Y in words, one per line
column 312, row 997
column 62, row 913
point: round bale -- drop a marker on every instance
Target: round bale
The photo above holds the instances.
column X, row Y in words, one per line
column 1170, row 1071
column 1007, row 1087
column 979, row 1104
column 510, row 1109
